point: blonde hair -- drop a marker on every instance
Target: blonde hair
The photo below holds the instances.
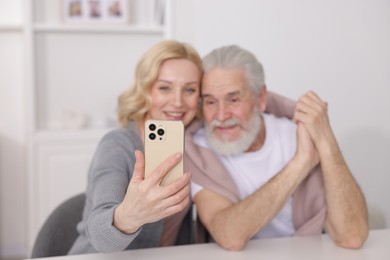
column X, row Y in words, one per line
column 135, row 102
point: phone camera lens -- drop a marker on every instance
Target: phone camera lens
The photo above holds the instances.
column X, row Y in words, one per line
column 160, row 131
column 152, row 127
column 152, row 136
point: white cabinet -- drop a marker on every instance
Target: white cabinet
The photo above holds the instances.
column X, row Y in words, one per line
column 76, row 71
column 60, row 163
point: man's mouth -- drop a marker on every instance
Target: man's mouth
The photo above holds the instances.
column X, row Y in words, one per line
column 225, row 128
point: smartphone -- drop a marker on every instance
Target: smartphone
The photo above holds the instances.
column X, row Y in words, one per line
column 163, row 138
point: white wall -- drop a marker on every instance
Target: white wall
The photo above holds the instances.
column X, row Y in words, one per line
column 340, row 49
column 12, row 133
column 12, row 146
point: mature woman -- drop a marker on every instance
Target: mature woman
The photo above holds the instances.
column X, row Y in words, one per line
column 123, row 209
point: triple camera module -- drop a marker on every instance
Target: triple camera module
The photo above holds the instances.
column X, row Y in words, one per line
column 160, row 132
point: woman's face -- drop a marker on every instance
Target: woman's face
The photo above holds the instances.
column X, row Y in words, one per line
column 175, row 93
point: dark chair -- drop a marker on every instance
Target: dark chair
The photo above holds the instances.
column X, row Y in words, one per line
column 59, row 231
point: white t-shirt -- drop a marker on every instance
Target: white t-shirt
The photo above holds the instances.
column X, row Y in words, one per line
column 252, row 170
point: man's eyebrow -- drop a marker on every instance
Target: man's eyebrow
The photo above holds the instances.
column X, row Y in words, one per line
column 234, row 93
column 205, row 95
column 230, row 94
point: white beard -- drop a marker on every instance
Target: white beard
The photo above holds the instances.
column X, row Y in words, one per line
column 248, row 136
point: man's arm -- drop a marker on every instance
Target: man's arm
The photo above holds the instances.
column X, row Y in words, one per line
column 232, row 225
column 347, row 217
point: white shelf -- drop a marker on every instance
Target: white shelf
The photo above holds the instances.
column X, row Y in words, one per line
column 11, row 28
column 76, row 134
column 72, row 59
column 80, row 28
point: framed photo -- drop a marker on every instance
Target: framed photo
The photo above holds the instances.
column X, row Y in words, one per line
column 94, row 10
column 100, row 11
column 74, row 10
column 116, row 10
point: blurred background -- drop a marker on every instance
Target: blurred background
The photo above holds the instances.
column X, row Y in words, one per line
column 63, row 64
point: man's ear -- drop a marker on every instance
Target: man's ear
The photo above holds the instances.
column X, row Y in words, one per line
column 262, row 99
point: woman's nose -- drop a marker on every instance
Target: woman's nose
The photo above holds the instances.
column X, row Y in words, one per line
column 177, row 99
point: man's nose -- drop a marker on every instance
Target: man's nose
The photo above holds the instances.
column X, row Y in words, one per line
column 223, row 113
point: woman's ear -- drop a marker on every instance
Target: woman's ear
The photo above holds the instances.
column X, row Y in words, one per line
column 262, row 99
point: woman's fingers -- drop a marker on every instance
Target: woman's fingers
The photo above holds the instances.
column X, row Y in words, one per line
column 175, row 186
column 172, row 197
column 175, row 208
column 159, row 173
column 149, row 199
column 178, row 196
column 139, row 167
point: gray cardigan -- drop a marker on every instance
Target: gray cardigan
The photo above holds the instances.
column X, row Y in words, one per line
column 109, row 175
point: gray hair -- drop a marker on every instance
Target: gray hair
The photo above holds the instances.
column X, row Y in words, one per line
column 232, row 57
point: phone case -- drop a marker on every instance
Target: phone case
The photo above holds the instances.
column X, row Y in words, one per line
column 163, row 138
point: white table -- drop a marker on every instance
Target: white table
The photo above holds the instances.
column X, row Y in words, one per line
column 377, row 247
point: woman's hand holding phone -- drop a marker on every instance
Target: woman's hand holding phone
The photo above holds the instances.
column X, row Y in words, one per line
column 147, row 201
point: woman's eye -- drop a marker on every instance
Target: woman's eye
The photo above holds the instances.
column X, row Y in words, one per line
column 190, row 90
column 164, row 88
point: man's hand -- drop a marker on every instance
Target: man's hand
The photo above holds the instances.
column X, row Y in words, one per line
column 347, row 217
column 306, row 151
column 312, row 111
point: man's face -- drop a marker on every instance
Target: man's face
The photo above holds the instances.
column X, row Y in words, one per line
column 230, row 110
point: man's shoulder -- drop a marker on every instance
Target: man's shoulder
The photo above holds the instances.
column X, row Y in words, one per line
column 281, row 132
column 279, row 123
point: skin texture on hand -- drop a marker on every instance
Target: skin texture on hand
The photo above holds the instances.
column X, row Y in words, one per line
column 305, row 147
column 146, row 200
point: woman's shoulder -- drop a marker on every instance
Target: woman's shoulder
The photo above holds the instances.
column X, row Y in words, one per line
column 122, row 136
column 122, row 132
